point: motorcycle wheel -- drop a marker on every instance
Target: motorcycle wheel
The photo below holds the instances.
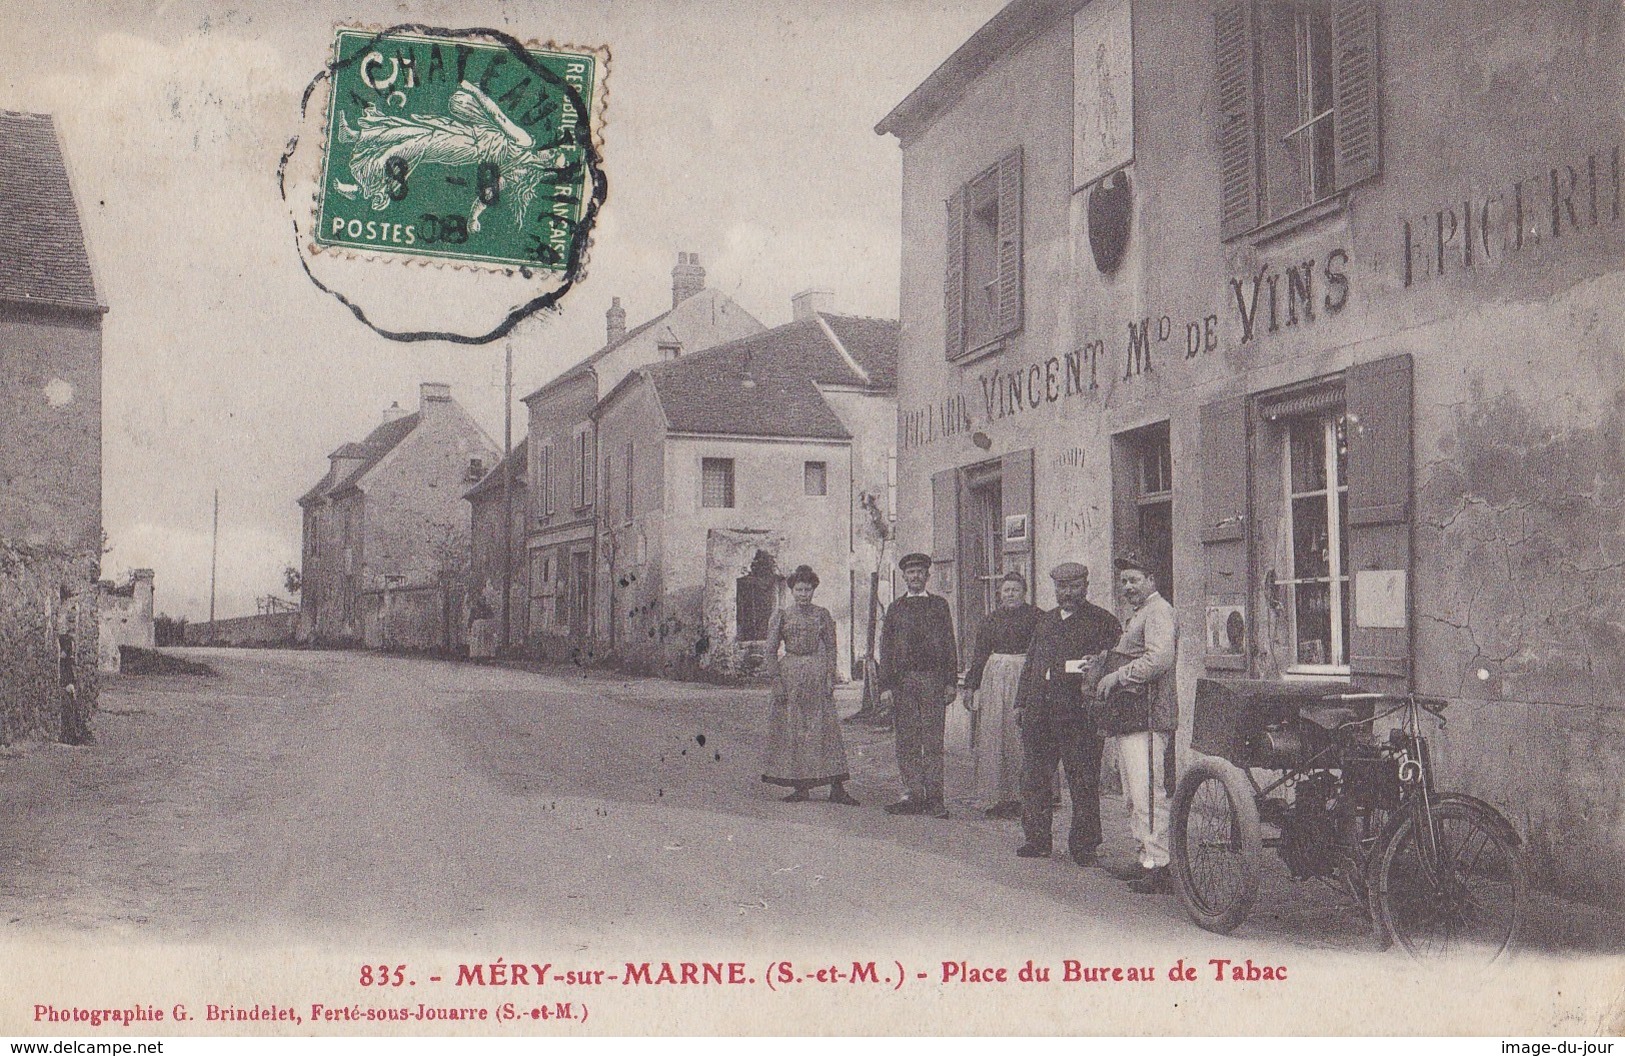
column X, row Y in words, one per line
column 1469, row 902
column 1217, row 846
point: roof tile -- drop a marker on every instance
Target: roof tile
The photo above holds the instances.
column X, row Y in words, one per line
column 42, row 246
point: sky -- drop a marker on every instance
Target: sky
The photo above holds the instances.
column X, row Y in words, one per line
column 740, row 131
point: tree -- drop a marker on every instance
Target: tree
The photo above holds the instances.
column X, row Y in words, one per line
column 292, row 579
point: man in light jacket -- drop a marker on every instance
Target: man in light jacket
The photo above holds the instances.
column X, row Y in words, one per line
column 1151, row 638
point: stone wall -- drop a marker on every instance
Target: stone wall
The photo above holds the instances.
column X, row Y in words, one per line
column 264, row 629
column 33, row 618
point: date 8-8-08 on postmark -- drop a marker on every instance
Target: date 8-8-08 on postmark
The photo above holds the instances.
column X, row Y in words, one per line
column 468, row 150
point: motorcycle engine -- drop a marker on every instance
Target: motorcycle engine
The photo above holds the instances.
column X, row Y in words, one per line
column 1309, row 829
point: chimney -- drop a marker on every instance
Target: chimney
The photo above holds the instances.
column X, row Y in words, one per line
column 394, row 411
column 808, row 303
column 431, row 393
column 615, row 320
column 687, row 278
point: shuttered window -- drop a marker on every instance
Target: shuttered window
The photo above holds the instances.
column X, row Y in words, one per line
column 1298, row 105
column 982, row 292
column 717, row 483
column 544, row 477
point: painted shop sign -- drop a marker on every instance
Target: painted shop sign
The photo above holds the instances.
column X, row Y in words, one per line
column 1279, row 295
column 1483, row 231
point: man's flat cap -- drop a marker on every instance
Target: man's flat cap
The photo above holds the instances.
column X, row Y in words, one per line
column 1067, row 571
column 1131, row 559
column 914, row 561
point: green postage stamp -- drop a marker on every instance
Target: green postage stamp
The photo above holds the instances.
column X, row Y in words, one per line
column 456, row 148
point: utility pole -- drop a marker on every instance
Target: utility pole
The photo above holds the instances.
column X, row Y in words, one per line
column 214, row 562
column 507, row 499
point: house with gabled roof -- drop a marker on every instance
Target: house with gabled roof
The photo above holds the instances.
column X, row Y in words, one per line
column 560, row 535
column 722, row 471
column 386, row 532
column 50, row 441
column 501, row 494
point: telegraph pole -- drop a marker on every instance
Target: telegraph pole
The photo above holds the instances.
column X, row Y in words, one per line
column 214, row 562
column 507, row 498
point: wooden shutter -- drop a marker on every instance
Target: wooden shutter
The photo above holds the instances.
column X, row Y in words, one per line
column 945, row 516
column 1236, row 54
column 1378, row 401
column 1125, row 496
column 953, row 291
column 1016, row 496
column 1356, row 78
column 1010, row 243
column 1224, row 518
column 589, row 459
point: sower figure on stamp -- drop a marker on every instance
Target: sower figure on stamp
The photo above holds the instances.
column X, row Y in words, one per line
column 1141, row 665
column 1055, row 725
column 919, row 669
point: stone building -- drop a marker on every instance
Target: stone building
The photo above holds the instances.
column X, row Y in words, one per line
column 488, row 504
column 386, row 545
column 124, row 617
column 560, row 536
column 1319, row 305
column 720, row 472
column 50, row 440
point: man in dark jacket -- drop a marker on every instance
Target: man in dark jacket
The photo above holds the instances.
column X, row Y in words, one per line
column 1056, row 725
column 919, row 672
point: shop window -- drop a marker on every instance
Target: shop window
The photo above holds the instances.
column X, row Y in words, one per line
column 1143, row 499
column 755, row 595
column 717, row 483
column 1317, row 601
column 982, row 291
column 814, row 478
column 1298, row 111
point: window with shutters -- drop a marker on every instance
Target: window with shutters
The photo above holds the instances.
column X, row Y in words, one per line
column 982, row 294
column 630, row 462
column 544, row 480
column 583, row 468
column 1298, row 86
column 717, row 483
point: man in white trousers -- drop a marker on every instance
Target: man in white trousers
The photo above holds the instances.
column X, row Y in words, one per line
column 1151, row 642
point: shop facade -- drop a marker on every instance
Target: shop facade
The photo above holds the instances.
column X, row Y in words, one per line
column 1318, row 306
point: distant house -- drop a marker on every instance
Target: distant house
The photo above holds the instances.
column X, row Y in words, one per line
column 386, row 533
column 124, row 617
column 489, row 502
column 560, row 534
column 50, row 440
column 723, row 471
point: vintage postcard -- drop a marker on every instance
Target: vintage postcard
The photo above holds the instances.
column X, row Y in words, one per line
column 1062, row 517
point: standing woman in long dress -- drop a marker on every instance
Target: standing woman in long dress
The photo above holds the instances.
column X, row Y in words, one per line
column 990, row 694
column 804, row 746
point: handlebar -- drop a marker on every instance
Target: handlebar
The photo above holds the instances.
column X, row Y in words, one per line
column 1434, row 706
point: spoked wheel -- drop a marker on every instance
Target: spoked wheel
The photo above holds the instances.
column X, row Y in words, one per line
column 1470, row 901
column 1217, row 847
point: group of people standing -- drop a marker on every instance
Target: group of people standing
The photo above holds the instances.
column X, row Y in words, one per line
column 1046, row 688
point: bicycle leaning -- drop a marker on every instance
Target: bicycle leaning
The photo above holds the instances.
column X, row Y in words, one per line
column 1440, row 873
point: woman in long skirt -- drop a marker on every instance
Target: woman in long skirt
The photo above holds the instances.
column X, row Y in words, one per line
column 804, row 746
column 990, row 693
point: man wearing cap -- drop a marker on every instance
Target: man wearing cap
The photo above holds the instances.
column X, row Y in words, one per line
column 1146, row 655
column 919, row 669
column 1055, row 726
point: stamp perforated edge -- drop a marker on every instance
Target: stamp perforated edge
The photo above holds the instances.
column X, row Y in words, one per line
column 597, row 116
